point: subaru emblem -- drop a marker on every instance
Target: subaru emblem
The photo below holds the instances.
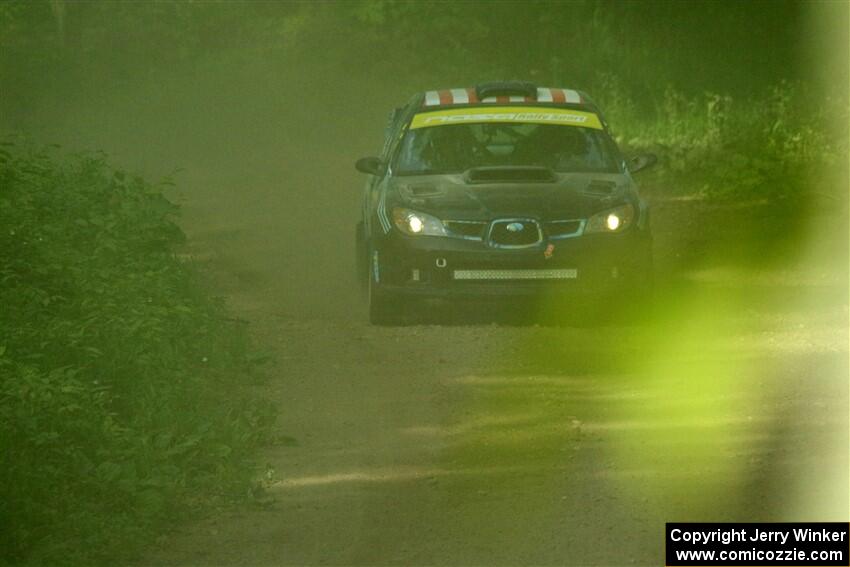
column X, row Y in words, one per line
column 515, row 227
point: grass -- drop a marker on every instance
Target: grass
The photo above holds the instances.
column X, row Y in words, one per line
column 776, row 146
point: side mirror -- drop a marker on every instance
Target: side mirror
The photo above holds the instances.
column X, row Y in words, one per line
column 642, row 161
column 370, row 165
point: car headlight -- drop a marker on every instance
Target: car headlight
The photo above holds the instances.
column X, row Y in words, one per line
column 415, row 223
column 612, row 220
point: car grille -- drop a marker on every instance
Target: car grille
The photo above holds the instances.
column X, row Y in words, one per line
column 501, row 236
column 563, row 229
column 514, row 233
column 466, row 229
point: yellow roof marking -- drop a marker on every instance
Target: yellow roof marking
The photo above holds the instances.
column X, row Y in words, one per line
column 517, row 114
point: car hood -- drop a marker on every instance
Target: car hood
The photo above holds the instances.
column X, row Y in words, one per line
column 565, row 196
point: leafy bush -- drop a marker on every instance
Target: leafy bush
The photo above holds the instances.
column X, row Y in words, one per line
column 771, row 147
column 122, row 384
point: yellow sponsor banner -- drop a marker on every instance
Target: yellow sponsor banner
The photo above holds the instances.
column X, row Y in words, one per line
column 507, row 114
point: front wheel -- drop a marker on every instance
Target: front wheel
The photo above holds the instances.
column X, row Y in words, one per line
column 361, row 258
column 385, row 308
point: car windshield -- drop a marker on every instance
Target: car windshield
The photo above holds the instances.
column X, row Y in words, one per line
column 454, row 148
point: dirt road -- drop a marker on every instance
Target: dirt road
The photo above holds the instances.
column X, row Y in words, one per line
column 481, row 442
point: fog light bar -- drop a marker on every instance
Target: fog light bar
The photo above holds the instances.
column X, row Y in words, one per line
column 562, row 274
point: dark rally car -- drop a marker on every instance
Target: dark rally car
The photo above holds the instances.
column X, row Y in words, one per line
column 501, row 190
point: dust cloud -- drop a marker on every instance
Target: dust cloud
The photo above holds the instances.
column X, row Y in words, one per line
column 262, row 158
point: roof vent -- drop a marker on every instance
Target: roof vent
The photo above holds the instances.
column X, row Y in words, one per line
column 506, row 88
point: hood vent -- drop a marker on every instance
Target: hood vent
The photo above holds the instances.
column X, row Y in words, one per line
column 420, row 191
column 510, row 174
column 602, row 188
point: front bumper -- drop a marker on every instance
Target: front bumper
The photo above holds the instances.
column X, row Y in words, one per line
column 450, row 267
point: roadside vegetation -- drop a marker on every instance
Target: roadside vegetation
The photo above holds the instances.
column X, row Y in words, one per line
column 773, row 147
column 125, row 394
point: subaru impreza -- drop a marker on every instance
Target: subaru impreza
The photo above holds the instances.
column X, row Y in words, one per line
column 502, row 190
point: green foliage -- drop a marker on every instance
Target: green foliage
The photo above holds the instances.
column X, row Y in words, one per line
column 122, row 385
column 775, row 146
column 738, row 99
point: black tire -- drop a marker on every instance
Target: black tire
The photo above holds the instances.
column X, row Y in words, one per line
column 361, row 259
column 384, row 308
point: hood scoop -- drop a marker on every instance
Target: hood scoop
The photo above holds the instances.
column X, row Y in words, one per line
column 510, row 174
column 421, row 191
column 601, row 188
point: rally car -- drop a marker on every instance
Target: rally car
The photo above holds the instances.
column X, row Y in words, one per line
column 500, row 190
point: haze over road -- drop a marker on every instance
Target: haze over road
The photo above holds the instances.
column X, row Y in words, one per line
column 481, row 441
column 484, row 442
